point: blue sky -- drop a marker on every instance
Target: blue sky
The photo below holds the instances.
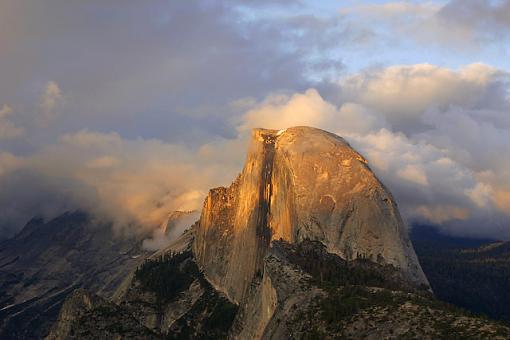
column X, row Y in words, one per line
column 399, row 47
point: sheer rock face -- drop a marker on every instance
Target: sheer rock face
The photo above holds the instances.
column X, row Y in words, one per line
column 299, row 183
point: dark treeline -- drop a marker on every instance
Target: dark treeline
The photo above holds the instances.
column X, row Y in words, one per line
column 472, row 274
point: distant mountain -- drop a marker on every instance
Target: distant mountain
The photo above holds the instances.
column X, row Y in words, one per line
column 46, row 261
column 470, row 273
column 305, row 244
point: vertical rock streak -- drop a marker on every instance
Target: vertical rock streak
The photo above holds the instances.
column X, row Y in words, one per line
column 263, row 230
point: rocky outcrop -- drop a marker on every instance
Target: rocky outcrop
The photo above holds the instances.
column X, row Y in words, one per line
column 297, row 184
column 149, row 308
column 166, row 297
column 88, row 316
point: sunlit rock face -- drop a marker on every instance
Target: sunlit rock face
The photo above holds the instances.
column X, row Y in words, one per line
column 299, row 183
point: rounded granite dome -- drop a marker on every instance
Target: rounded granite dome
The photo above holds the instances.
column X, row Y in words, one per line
column 300, row 183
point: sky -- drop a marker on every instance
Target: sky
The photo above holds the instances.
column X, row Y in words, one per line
column 131, row 109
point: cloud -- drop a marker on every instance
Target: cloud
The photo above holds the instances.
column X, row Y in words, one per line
column 50, row 103
column 404, row 93
column 158, row 240
column 397, row 9
column 414, row 174
column 135, row 183
column 479, row 19
column 8, row 162
column 447, row 164
column 8, row 129
column 140, row 180
column 456, row 23
column 279, row 111
column 147, row 69
column 26, row 193
column 170, row 229
column 422, row 176
column 440, row 214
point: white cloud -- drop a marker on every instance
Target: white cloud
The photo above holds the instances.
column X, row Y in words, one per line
column 170, row 229
column 420, row 175
column 130, row 181
column 404, row 93
column 309, row 108
column 414, row 174
column 281, row 111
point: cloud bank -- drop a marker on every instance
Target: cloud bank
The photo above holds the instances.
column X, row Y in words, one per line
column 436, row 137
column 134, row 110
column 128, row 181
